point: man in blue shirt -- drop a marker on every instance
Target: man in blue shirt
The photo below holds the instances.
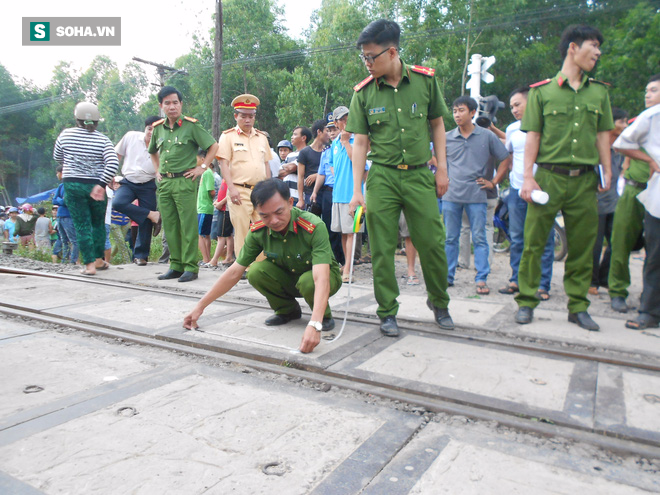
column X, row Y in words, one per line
column 341, row 163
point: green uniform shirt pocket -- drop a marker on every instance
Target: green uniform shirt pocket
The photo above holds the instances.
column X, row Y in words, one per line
column 378, row 119
column 593, row 116
column 555, row 121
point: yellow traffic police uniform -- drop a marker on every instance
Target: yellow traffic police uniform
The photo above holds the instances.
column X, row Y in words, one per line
column 247, row 155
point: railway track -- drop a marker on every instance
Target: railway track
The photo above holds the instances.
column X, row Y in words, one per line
column 585, row 412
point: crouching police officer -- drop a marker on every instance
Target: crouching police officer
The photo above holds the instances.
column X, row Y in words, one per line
column 299, row 263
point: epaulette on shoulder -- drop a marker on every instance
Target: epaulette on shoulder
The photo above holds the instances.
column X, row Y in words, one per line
column 306, row 224
column 540, row 83
column 229, row 130
column 261, row 132
column 363, row 83
column 190, row 119
column 427, row 71
column 158, row 122
column 591, row 79
column 257, row 225
column 632, row 120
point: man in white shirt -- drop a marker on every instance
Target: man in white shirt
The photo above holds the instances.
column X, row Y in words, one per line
column 515, row 144
column 641, row 141
column 139, row 183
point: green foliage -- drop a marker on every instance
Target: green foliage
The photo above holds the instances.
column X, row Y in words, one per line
column 630, row 56
column 298, row 104
column 300, row 81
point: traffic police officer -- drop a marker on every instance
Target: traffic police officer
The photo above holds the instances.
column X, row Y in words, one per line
column 173, row 148
column 391, row 110
column 299, row 263
column 243, row 154
column 567, row 120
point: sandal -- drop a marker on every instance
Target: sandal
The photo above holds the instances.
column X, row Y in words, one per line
column 85, row 271
column 643, row 321
column 593, row 291
column 482, row 289
column 542, row 295
column 509, row 289
column 345, row 278
column 413, row 280
column 365, row 259
column 104, row 266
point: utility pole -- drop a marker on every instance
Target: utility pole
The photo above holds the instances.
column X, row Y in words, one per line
column 164, row 72
column 217, row 72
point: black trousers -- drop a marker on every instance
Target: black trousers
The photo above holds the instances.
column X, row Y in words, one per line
column 651, row 293
column 123, row 202
column 324, row 198
column 602, row 266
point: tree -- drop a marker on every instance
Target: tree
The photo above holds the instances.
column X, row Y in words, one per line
column 298, row 103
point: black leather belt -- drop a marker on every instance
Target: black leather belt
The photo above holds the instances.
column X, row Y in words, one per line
column 172, row 175
column 403, row 166
column 326, row 188
column 246, row 186
column 634, row 183
column 571, row 171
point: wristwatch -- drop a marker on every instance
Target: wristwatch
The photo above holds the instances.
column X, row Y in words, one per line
column 316, row 324
column 203, row 165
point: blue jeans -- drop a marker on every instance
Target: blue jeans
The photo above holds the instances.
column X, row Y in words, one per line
column 476, row 212
column 69, row 240
column 517, row 214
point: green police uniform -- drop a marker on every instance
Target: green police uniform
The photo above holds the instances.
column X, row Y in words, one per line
column 627, row 227
column 286, row 273
column 396, row 121
column 568, row 121
column 177, row 196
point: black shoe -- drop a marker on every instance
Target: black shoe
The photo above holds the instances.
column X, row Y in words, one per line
column 583, row 319
column 140, row 262
column 170, row 274
column 388, row 326
column 441, row 315
column 328, row 324
column 619, row 304
column 275, row 320
column 156, row 227
column 524, row 315
column 188, row 277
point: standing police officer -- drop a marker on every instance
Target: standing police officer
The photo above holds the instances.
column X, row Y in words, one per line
column 391, row 110
column 243, row 155
column 567, row 120
column 173, row 148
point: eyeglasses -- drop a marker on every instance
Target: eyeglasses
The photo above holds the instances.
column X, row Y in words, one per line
column 370, row 59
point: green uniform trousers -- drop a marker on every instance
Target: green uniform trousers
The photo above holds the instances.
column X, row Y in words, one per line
column 281, row 287
column 628, row 225
column 177, row 202
column 389, row 190
column 88, row 216
column 576, row 198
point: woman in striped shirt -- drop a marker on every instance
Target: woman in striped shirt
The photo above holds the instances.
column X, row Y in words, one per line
column 89, row 163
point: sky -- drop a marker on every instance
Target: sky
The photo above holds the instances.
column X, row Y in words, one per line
column 143, row 24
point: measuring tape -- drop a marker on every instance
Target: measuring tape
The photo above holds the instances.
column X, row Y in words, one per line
column 358, row 220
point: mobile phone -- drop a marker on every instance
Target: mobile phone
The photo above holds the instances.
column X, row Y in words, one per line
column 601, row 176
